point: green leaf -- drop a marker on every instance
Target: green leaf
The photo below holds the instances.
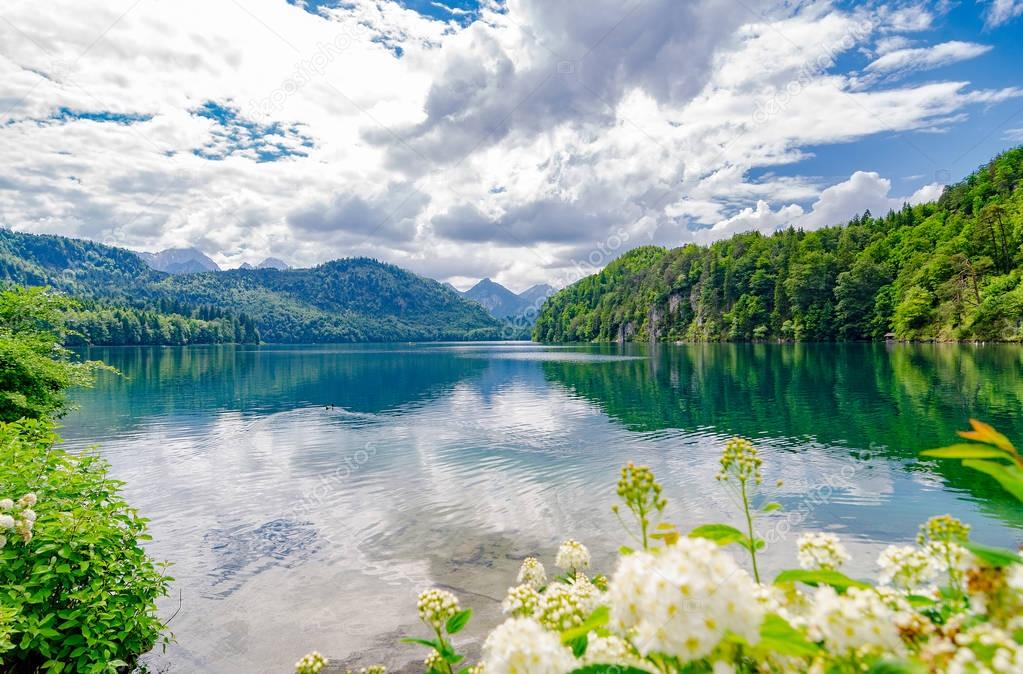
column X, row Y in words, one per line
column 423, row 642
column 986, row 433
column 997, row 557
column 579, row 645
column 966, row 451
column 771, row 507
column 608, row 669
column 778, row 636
column 835, row 579
column 596, row 620
column 625, row 550
column 920, row 601
column 896, row 667
column 1010, row 477
column 458, row 621
column 722, row 534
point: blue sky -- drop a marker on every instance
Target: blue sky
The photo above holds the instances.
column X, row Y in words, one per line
column 969, row 143
column 524, row 140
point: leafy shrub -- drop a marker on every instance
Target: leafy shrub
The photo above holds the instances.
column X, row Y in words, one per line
column 77, row 591
column 35, row 369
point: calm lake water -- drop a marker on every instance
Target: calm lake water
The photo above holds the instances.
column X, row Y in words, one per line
column 293, row 526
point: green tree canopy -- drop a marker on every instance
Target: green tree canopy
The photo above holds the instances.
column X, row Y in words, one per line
column 35, row 368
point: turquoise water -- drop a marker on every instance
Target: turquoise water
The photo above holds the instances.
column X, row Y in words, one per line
column 306, row 494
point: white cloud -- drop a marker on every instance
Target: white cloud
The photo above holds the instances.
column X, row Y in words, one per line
column 1014, row 134
column 508, row 148
column 761, row 219
column 835, row 205
column 926, row 58
column 1002, row 11
column 892, row 43
column 912, row 18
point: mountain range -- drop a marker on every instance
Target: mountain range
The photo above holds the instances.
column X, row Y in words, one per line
column 503, row 303
column 180, row 261
column 194, row 261
column 348, row 300
column 268, row 263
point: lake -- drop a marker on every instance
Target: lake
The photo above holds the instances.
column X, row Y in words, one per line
column 306, row 494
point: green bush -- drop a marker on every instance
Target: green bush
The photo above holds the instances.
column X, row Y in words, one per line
column 35, row 368
column 77, row 590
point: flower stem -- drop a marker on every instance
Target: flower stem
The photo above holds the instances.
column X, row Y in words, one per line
column 749, row 527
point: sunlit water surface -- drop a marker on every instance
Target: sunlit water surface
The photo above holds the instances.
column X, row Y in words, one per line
column 305, row 494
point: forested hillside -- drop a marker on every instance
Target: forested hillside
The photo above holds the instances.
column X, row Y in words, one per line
column 949, row 270
column 164, row 323
column 349, row 300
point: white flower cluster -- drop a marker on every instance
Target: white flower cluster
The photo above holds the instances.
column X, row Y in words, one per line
column 855, row 622
column 433, row 661
column 986, row 650
column 572, row 555
column 949, row 556
column 821, row 551
column 436, row 607
column 18, row 517
column 684, row 604
column 906, row 567
column 602, row 650
column 689, row 602
column 559, row 606
column 682, row 600
column 532, row 573
column 311, row 663
column 521, row 601
column 523, row 646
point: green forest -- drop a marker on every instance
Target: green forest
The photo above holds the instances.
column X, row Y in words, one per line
column 943, row 271
column 124, row 301
column 165, row 323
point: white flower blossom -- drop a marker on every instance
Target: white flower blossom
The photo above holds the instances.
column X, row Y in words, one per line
column 6, row 522
column 29, row 515
column 433, row 661
column 560, row 608
column 682, row 600
column 521, row 601
column 27, row 501
column 611, row 650
column 523, row 646
column 1014, row 578
column 821, row 551
column 858, row 619
column 949, row 556
column 310, row 664
column 572, row 555
column 532, row 573
column 985, row 649
column 906, row 567
column 436, row 607
column 6, row 504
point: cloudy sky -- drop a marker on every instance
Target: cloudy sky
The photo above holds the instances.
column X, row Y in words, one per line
column 525, row 140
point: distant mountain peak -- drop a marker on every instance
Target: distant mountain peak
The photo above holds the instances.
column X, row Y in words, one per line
column 503, row 303
column 274, row 263
column 535, row 296
column 180, row 261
